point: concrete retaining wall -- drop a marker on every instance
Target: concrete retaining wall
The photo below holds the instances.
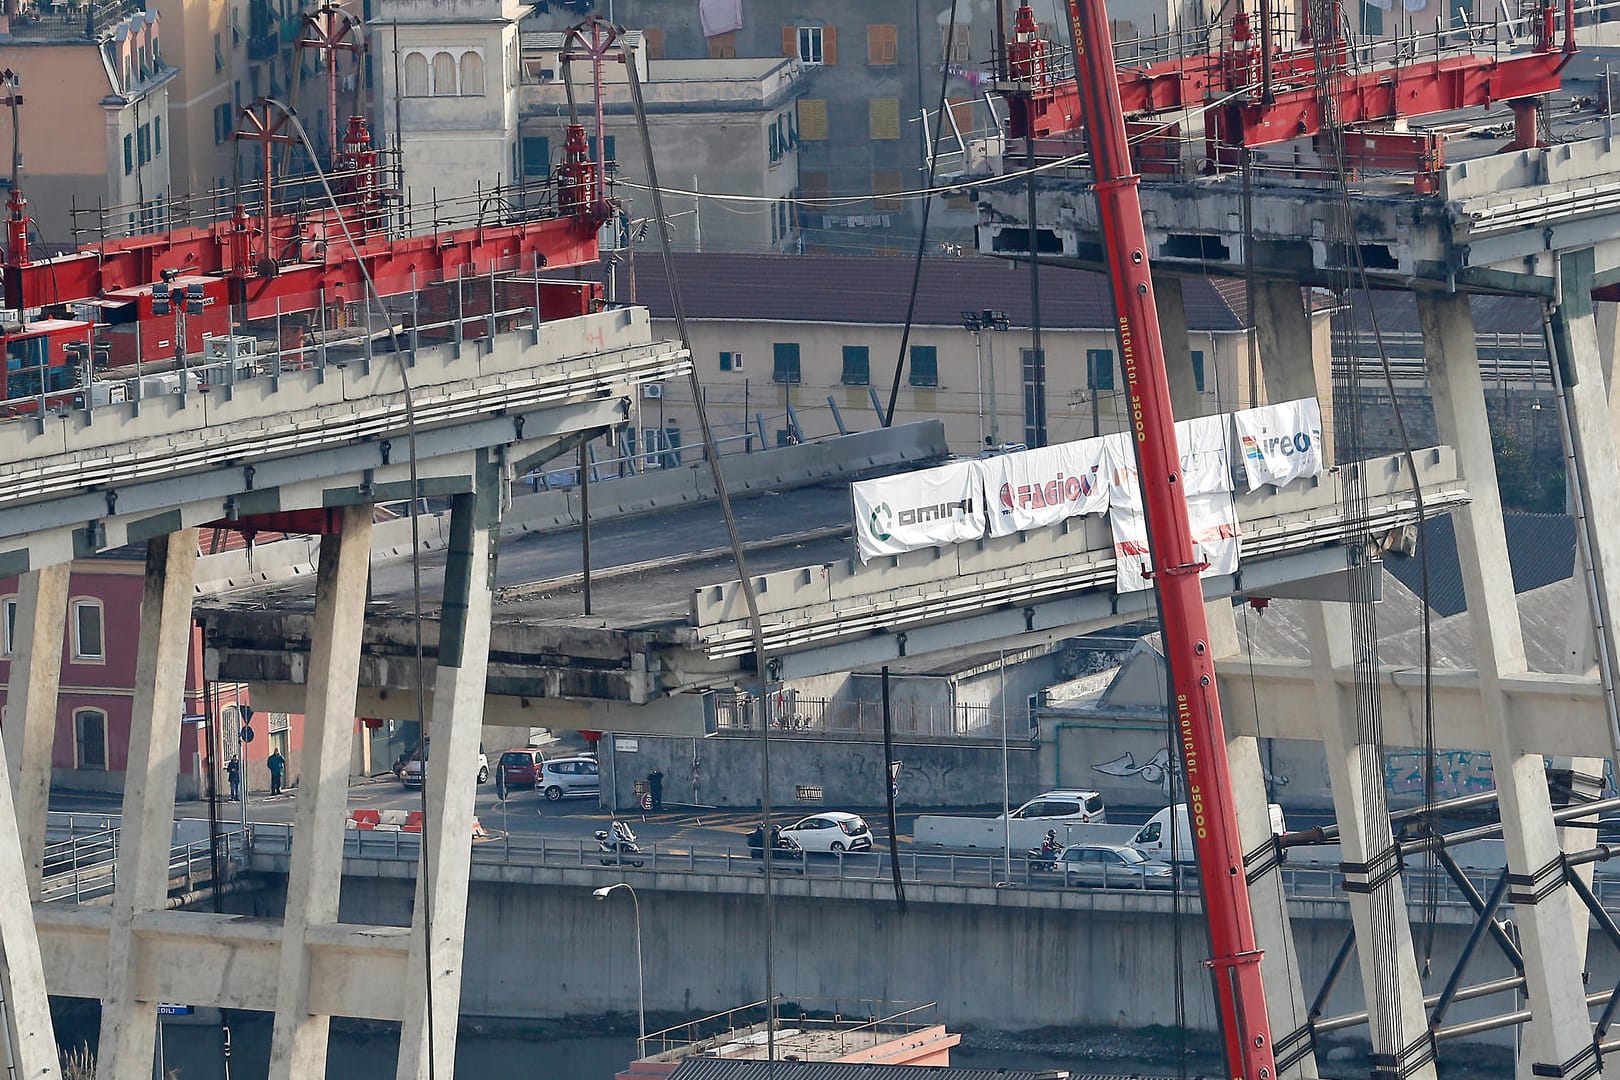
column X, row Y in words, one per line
column 538, row 945
column 848, row 771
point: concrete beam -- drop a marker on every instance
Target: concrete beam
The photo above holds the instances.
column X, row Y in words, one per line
column 26, row 1007
column 1389, row 974
column 299, row 1038
column 433, row 977
column 1557, row 714
column 1559, row 1034
column 230, row 961
column 129, row 1012
column 31, row 700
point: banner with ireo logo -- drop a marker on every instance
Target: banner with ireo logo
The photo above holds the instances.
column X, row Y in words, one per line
column 1211, row 512
column 918, row 509
column 1281, row 443
column 1036, row 488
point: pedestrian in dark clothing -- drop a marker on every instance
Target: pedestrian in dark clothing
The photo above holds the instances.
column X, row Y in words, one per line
column 655, row 784
column 233, row 773
column 278, row 765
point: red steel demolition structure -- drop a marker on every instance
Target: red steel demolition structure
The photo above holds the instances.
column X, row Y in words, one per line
column 1251, row 97
column 295, row 257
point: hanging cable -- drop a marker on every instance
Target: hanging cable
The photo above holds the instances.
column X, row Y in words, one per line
column 418, row 659
column 756, row 628
column 922, row 233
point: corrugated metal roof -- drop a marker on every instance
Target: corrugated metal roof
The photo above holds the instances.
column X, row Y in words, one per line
column 1397, row 313
column 1541, row 550
column 874, row 289
column 696, row 1068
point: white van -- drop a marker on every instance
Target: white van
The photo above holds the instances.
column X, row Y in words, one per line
column 1153, row 839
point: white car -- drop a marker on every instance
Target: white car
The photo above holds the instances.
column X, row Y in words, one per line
column 1069, row 804
column 833, row 832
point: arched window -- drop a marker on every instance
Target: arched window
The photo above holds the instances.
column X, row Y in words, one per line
column 444, row 75
column 472, row 74
column 416, row 75
column 90, row 738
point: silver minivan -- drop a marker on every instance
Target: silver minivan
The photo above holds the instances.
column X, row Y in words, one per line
column 569, row 777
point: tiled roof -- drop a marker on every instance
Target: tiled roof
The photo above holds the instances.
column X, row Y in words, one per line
column 874, row 289
column 697, row 1068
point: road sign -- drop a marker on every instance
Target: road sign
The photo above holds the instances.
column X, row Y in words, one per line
column 165, row 1009
column 247, row 733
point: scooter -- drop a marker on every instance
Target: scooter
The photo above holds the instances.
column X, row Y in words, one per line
column 1045, row 857
column 782, row 847
column 616, row 845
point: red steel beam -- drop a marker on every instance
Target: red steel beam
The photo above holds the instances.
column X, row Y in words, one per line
column 1418, row 89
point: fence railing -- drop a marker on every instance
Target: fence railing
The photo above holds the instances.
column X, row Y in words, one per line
column 85, row 868
column 326, row 334
column 821, row 716
column 992, row 869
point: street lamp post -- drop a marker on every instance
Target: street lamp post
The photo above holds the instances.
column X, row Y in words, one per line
column 978, row 322
column 641, row 984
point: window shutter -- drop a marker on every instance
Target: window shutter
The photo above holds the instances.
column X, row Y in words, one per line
column 829, row 45
column 654, row 39
column 812, row 119
column 790, row 41
column 883, row 118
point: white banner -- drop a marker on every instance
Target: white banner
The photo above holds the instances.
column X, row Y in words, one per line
column 1037, row 488
column 1281, row 443
column 921, row 509
column 1208, row 488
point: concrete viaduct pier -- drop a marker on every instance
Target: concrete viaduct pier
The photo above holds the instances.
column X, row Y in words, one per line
column 1531, row 222
column 312, row 449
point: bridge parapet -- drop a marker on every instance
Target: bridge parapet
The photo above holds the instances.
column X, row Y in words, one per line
column 285, row 440
column 814, row 606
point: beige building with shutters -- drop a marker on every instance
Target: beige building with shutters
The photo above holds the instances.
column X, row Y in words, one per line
column 776, row 337
column 104, row 77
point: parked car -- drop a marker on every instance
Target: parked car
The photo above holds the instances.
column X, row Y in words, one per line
column 833, row 832
column 410, row 771
column 1113, row 865
column 521, row 767
column 1073, row 805
column 570, row 777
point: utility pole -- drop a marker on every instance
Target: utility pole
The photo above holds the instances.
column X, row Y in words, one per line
column 978, row 322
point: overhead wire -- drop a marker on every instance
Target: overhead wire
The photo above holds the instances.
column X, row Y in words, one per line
column 762, row 669
column 1383, row 858
column 922, row 235
column 418, row 657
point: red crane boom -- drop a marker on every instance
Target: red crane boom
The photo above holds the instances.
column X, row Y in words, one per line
column 1234, row 955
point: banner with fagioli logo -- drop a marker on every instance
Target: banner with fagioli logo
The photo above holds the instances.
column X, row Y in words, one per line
column 921, row 509
column 1207, row 483
column 1041, row 487
column 1281, row 443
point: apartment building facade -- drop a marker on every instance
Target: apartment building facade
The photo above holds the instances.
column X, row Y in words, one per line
column 101, row 72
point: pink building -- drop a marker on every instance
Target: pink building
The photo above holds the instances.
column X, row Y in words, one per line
column 96, row 695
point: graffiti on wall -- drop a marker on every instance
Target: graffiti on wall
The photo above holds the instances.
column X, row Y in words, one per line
column 1456, row 772
column 1156, row 771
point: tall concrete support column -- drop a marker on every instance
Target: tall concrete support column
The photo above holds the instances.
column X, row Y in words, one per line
column 433, row 989
column 1185, row 398
column 1279, row 966
column 1400, row 1027
column 1296, row 350
column 129, row 1022
column 1282, row 329
column 30, row 731
column 35, row 670
column 1560, row 1031
column 298, row 1041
